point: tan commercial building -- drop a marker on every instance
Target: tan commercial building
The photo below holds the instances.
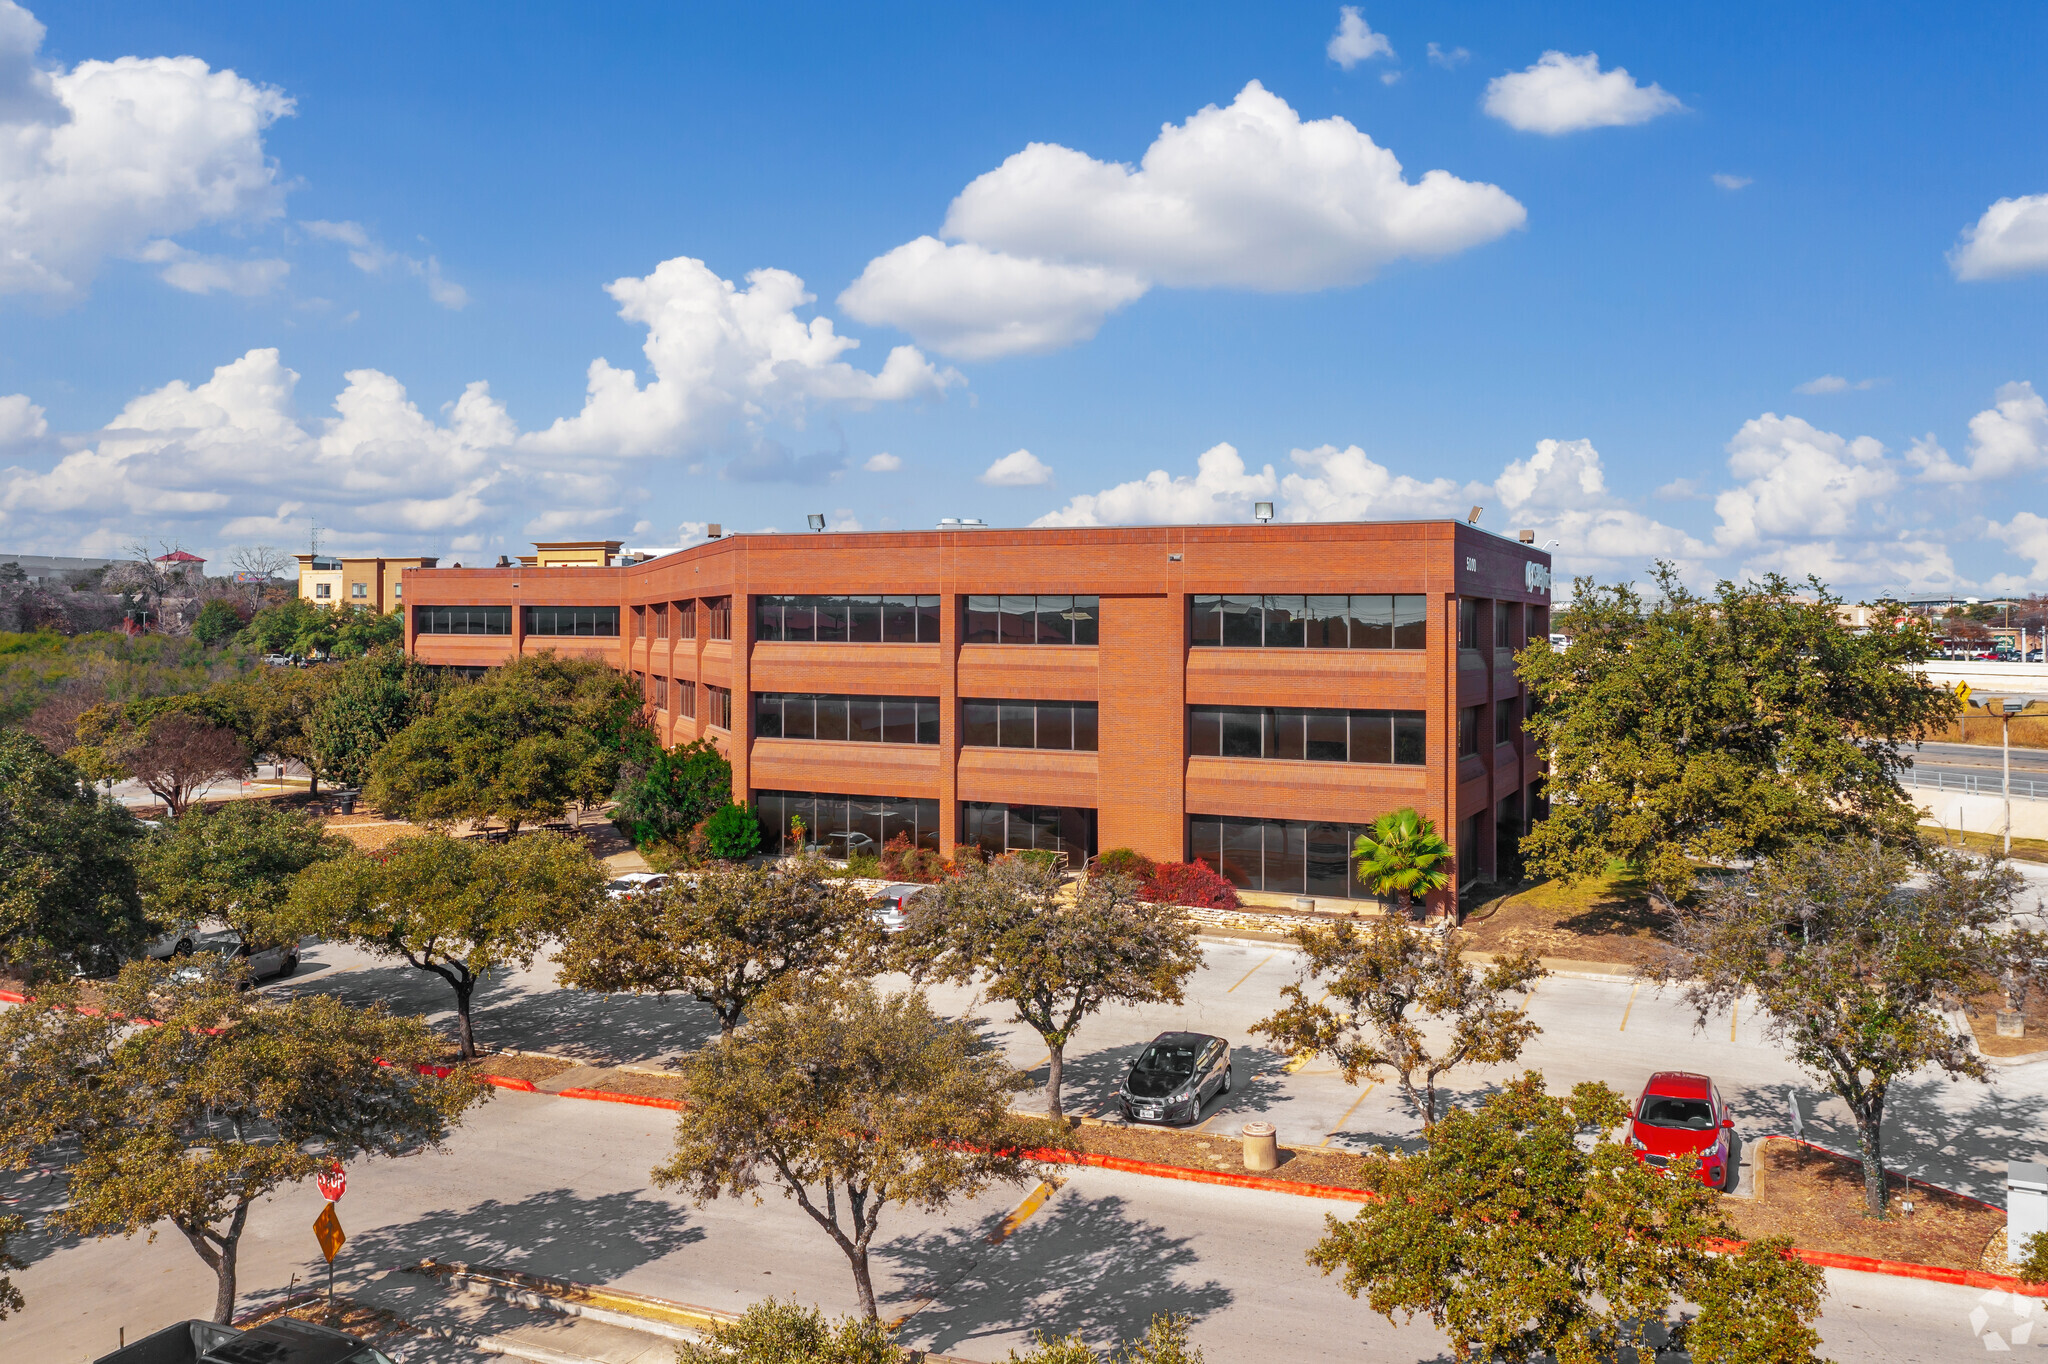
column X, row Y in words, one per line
column 573, row 554
column 372, row 581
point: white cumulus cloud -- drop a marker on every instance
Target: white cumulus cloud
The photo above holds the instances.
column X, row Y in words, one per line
column 2008, row 438
column 1018, row 469
column 884, row 463
column 2010, row 239
column 1219, row 490
column 2027, row 536
column 21, row 421
column 1566, row 94
column 719, row 355
column 1798, row 482
column 196, row 273
column 1732, row 182
column 372, row 257
column 1248, row 196
column 964, row 300
column 1354, row 41
column 1448, row 60
column 1835, row 383
column 106, row 157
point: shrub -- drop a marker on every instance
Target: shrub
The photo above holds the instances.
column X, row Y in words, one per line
column 774, row 1332
column 863, row 864
column 1124, row 862
column 1190, row 883
column 1038, row 857
column 677, row 791
column 218, row 623
column 903, row 860
column 732, row 834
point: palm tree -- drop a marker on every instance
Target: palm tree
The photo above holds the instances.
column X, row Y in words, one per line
column 1402, row 856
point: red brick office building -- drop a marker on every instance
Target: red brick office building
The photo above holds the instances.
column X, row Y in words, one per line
column 1247, row 694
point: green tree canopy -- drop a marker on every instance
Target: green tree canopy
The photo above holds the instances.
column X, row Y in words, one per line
column 10, row 1296
column 1514, row 1236
column 775, row 1332
column 309, row 630
column 1401, row 1000
column 1402, row 855
column 851, row 1102
column 233, row 862
column 1715, row 729
column 724, row 936
column 1053, row 958
column 273, row 710
column 371, row 699
column 663, row 801
column 519, row 745
column 67, row 865
column 218, row 622
column 733, row 833
column 1854, row 956
column 455, row 907
column 231, row 1098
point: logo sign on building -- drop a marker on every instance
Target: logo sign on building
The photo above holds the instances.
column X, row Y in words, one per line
column 1535, row 576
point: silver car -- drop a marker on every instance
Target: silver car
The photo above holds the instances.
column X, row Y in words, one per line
column 261, row 963
column 1174, row 1076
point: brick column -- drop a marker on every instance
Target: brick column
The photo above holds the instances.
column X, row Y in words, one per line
column 950, row 625
column 742, row 729
column 1441, row 732
column 1141, row 693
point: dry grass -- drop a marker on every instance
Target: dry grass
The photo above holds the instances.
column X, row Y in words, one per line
column 1816, row 1198
column 537, row 1069
column 1222, row 1151
column 1983, row 1015
column 1607, row 920
column 372, row 1324
column 2029, row 729
column 615, row 1080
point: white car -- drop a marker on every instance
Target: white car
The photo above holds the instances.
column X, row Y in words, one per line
column 890, row 906
column 261, row 963
column 635, row 883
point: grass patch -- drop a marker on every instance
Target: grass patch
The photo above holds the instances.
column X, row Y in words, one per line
column 1606, row 919
column 2023, row 849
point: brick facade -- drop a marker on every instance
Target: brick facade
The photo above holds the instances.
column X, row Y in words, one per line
column 1143, row 675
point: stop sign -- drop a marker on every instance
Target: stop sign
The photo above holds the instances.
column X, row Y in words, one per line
column 332, row 1184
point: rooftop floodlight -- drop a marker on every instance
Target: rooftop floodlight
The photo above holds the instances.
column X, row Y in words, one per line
column 1473, row 519
column 817, row 520
column 1263, row 510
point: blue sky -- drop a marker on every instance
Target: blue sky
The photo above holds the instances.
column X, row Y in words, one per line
column 1555, row 309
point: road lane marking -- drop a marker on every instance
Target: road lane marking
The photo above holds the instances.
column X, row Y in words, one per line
column 1298, row 1062
column 1734, row 1015
column 1017, row 1217
column 1248, row 975
column 1370, row 1086
column 1631, row 1005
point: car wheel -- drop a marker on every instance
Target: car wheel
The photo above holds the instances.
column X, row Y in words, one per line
column 288, row 965
column 1732, row 1176
column 1226, row 1081
column 183, row 949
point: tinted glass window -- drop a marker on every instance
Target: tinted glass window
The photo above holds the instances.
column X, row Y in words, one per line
column 1054, row 625
column 1372, row 736
column 1242, row 623
column 984, row 620
column 768, row 717
column 832, row 717
column 1205, row 621
column 1411, row 622
column 899, row 719
column 928, row 619
column 1055, row 725
column 1087, row 612
column 899, row 620
column 1360, row 736
column 978, row 729
column 1326, row 623
column 1020, row 620
column 928, row 722
column 1326, row 740
column 864, row 719
column 1084, row 727
column 830, row 819
column 830, row 614
column 799, row 717
column 1372, row 621
column 864, row 620
column 856, row 719
column 462, row 620
column 572, row 620
column 1014, row 719
column 1284, row 733
column 1205, row 731
column 1242, row 733
column 1284, row 621
column 1408, row 738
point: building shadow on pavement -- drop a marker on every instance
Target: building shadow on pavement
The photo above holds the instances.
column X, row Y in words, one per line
column 1082, row 1265
column 559, row 1233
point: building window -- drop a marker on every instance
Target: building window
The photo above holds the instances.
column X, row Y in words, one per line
column 639, row 622
column 1468, row 623
column 1040, row 619
column 686, row 697
column 854, row 719
column 719, row 609
column 1468, row 732
column 843, row 824
column 1371, row 620
column 572, row 620
column 1014, row 828
column 1539, row 622
column 462, row 620
column 1330, row 736
column 661, row 693
column 848, row 620
column 720, row 701
column 660, row 610
column 1504, row 726
column 397, row 591
column 360, row 591
column 686, row 620
column 1504, row 626
column 1287, row 856
column 1029, row 724
column 323, row 590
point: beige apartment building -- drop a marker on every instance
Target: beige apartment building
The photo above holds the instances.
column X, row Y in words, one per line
column 373, row 581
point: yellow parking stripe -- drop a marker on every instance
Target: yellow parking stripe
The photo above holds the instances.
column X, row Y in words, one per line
column 1631, row 1006
column 1019, row 1215
column 1369, row 1088
column 1248, row 975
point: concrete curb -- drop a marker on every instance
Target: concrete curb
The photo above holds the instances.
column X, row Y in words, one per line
column 1266, row 1183
column 613, row 1096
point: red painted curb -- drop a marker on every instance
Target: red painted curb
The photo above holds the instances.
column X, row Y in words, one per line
column 1224, row 1177
column 12, row 998
column 613, row 1096
column 507, row 1082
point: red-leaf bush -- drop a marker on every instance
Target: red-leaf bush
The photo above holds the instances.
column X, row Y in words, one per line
column 1193, row 884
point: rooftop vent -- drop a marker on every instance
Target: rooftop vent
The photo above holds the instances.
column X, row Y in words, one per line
column 962, row 523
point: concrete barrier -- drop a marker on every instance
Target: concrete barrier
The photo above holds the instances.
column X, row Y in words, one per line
column 1981, row 814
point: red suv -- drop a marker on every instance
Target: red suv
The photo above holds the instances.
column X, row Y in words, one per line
column 1679, row 1113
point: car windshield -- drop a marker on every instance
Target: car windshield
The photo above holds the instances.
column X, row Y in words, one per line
column 1692, row 1115
column 225, row 947
column 1167, row 1061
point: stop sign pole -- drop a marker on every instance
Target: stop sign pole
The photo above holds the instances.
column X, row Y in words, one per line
column 327, row 1226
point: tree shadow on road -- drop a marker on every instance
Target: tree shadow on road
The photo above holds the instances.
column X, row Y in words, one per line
column 559, row 1233
column 1083, row 1265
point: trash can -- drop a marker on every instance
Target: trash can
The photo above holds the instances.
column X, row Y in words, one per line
column 1261, row 1147
column 348, row 802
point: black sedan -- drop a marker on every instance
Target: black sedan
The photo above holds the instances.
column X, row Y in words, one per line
column 1174, row 1076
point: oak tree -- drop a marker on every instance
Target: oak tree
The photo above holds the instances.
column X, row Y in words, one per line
column 274, row 709
column 1514, row 1234
column 67, row 865
column 370, row 700
column 1854, row 958
column 219, row 1100
column 851, row 1102
column 1687, row 728
column 1053, row 957
column 10, row 1296
column 664, row 800
column 724, row 936
column 1395, row 998
column 457, row 908
column 234, row 862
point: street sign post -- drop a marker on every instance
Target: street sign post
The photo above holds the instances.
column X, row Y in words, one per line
column 332, row 1184
column 327, row 1230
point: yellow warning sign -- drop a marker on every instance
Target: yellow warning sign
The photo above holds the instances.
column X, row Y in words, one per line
column 327, row 1227
column 1963, row 692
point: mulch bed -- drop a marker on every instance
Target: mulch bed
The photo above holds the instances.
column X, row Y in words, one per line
column 1609, row 920
column 1983, row 1016
column 534, row 1068
column 1816, row 1198
column 611, row 1079
column 1218, row 1151
column 366, row 1323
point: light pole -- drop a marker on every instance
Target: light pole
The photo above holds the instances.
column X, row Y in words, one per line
column 2007, row 708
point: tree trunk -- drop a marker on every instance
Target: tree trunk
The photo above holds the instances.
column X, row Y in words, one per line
column 1404, row 904
column 468, row 1034
column 224, row 1284
column 312, row 780
column 1052, row 1083
column 857, row 1256
column 1870, row 1140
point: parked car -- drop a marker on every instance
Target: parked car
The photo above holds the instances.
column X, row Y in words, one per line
column 178, row 942
column 1681, row 1113
column 1174, row 1076
column 636, row 883
column 891, row 904
column 283, row 1340
column 261, row 963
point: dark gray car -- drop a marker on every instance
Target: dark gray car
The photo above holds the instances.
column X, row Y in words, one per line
column 1174, row 1076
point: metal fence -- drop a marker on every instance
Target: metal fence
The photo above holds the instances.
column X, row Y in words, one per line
column 1975, row 784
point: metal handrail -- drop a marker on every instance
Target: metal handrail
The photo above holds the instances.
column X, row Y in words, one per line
column 1973, row 784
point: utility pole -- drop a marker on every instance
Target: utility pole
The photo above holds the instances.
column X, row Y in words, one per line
column 2007, row 708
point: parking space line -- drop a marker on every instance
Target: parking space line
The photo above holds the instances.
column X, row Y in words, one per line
column 1631, row 1006
column 1734, row 1015
column 1370, row 1086
column 1248, row 975
column 1017, row 1217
